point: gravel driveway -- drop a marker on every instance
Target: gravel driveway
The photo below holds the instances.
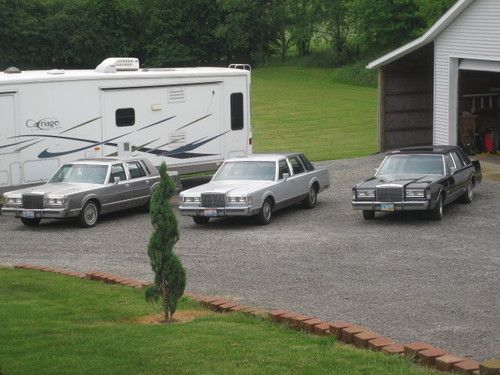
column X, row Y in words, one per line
column 403, row 276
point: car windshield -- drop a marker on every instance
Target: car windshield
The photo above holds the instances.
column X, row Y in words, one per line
column 403, row 165
column 246, row 170
column 84, row 173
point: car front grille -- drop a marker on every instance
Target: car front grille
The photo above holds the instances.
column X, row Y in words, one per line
column 390, row 194
column 213, row 200
column 33, row 201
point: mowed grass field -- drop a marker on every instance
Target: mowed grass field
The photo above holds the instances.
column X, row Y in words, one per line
column 53, row 324
column 304, row 109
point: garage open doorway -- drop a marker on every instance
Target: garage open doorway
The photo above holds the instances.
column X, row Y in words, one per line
column 479, row 107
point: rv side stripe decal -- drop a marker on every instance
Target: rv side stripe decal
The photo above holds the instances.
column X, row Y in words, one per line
column 46, row 154
column 159, row 86
column 83, row 123
column 17, row 143
column 194, row 122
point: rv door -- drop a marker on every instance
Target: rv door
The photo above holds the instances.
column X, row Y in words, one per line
column 179, row 124
column 8, row 144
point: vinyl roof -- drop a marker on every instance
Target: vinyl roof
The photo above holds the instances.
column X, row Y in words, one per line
column 425, row 39
column 264, row 157
column 440, row 149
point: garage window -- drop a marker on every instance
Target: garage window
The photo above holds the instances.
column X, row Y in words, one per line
column 237, row 111
column 125, row 117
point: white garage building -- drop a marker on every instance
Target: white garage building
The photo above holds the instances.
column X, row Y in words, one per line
column 444, row 87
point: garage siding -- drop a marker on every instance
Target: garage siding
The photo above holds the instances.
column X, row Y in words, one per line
column 474, row 34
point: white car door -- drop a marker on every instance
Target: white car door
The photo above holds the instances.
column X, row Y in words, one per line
column 298, row 177
column 285, row 187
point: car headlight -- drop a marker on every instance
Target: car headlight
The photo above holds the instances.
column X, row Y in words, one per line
column 13, row 201
column 239, row 199
column 191, row 199
column 415, row 193
column 365, row 193
column 55, row 201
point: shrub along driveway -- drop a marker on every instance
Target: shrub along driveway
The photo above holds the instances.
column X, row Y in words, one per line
column 403, row 276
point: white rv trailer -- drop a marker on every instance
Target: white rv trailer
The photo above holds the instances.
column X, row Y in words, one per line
column 191, row 118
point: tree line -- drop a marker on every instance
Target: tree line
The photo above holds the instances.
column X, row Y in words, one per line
column 81, row 33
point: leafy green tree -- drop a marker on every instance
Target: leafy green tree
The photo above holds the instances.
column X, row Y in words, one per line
column 382, row 25
column 304, row 24
column 248, row 29
column 432, row 10
column 182, row 33
column 170, row 276
column 333, row 14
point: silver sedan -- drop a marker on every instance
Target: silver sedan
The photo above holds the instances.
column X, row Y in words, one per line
column 255, row 185
column 85, row 189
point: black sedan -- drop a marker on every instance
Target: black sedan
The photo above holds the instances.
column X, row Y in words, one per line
column 418, row 178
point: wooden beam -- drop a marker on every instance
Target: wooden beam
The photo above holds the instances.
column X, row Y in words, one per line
column 381, row 110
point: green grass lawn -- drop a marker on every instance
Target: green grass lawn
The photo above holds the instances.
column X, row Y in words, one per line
column 53, row 324
column 304, row 109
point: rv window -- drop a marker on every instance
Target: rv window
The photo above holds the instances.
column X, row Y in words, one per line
column 135, row 169
column 237, row 111
column 125, row 117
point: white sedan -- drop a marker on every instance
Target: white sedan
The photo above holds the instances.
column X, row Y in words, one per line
column 257, row 186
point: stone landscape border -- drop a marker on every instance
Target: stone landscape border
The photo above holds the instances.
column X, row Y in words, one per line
column 349, row 333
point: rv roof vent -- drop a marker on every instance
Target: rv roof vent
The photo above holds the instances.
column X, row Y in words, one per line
column 117, row 64
column 12, row 70
column 56, row 71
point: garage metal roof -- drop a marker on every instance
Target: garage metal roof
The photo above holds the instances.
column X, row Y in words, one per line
column 425, row 39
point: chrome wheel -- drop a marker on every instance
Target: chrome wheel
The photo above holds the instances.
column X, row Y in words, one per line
column 468, row 195
column 437, row 212
column 470, row 191
column 89, row 214
column 312, row 196
column 311, row 199
column 266, row 210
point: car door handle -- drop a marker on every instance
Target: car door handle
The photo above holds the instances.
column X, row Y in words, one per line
column 127, row 185
column 147, row 182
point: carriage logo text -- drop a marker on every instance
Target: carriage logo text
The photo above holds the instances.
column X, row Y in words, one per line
column 43, row 124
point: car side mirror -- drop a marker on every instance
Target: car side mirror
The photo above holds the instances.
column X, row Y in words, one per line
column 286, row 175
column 116, row 180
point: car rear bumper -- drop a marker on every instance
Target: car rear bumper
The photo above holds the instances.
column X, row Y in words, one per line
column 216, row 212
column 397, row 206
column 56, row 213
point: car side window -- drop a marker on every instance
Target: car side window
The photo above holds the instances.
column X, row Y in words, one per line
column 458, row 161
column 135, row 169
column 283, row 168
column 117, row 170
column 450, row 166
column 464, row 157
column 296, row 165
column 306, row 162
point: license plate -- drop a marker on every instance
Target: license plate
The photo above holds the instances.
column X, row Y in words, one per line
column 387, row 206
column 28, row 214
column 210, row 213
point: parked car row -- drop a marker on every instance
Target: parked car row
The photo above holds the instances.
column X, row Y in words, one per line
column 422, row 178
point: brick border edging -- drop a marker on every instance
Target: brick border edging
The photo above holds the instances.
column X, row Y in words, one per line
column 346, row 332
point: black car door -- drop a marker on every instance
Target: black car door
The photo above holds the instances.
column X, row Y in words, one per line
column 460, row 175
